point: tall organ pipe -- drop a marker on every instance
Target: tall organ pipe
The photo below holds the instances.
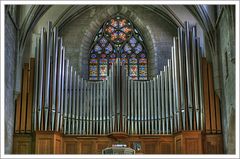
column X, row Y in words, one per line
column 62, row 88
column 66, row 96
column 163, row 101
column 195, row 76
column 159, row 103
column 166, row 98
column 47, row 74
column 182, row 78
column 70, row 100
column 40, row 80
column 174, row 92
column 170, row 95
column 201, row 97
column 35, row 96
column 55, row 57
column 73, row 103
column 59, row 74
column 189, row 76
column 77, row 105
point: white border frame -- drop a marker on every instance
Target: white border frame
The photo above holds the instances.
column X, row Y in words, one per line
column 139, row 2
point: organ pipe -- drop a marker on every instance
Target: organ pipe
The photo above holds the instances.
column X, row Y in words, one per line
column 169, row 102
column 40, row 80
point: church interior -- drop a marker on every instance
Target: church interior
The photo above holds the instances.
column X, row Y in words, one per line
column 119, row 79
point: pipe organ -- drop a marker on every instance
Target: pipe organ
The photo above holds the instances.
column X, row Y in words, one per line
column 167, row 109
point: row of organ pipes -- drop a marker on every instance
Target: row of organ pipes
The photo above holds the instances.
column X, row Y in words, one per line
column 169, row 102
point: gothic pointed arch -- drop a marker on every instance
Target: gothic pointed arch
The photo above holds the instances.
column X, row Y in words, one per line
column 118, row 38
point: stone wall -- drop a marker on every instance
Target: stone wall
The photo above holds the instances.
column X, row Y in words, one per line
column 225, row 32
column 10, row 59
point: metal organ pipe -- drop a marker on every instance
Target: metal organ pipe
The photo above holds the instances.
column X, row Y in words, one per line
column 170, row 95
column 54, row 77
column 167, row 103
column 200, row 84
column 195, row 76
column 40, row 80
column 66, row 97
column 47, row 75
column 35, row 96
column 59, row 66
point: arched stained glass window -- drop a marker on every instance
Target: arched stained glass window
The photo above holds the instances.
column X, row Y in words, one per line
column 118, row 38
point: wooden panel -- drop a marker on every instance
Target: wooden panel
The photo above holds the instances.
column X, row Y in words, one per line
column 211, row 97
column 213, row 144
column 44, row 146
column 46, row 142
column 58, row 146
column 192, row 142
column 22, row 144
column 24, row 98
column 70, row 147
column 150, row 147
column 30, row 96
column 166, row 147
column 218, row 114
column 178, row 144
column 57, row 143
column 206, row 95
column 87, row 147
column 192, row 146
column 18, row 114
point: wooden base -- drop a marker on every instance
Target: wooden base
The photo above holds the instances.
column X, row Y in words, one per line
column 189, row 142
column 22, row 144
column 47, row 142
column 186, row 142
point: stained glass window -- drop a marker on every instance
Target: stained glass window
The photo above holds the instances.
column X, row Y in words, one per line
column 118, row 38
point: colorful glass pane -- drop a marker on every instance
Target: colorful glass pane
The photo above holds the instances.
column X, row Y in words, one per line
column 142, row 78
column 103, row 55
column 127, row 48
column 133, row 69
column 133, row 41
column 133, row 55
column 142, row 70
column 143, row 61
column 103, row 61
column 103, row 42
column 93, row 61
column 114, row 23
column 133, row 77
column 93, row 56
column 133, row 60
column 123, row 55
column 138, row 48
column 110, row 29
column 108, row 49
column 112, row 55
column 122, row 23
column 97, row 48
column 103, row 70
column 103, row 78
column 93, row 78
column 93, row 70
column 126, row 29
column 142, row 55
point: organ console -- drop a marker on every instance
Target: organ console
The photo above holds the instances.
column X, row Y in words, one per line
column 179, row 99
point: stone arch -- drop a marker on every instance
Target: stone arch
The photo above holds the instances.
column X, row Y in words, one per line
column 125, row 11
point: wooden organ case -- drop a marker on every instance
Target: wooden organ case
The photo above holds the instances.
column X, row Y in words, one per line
column 175, row 112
